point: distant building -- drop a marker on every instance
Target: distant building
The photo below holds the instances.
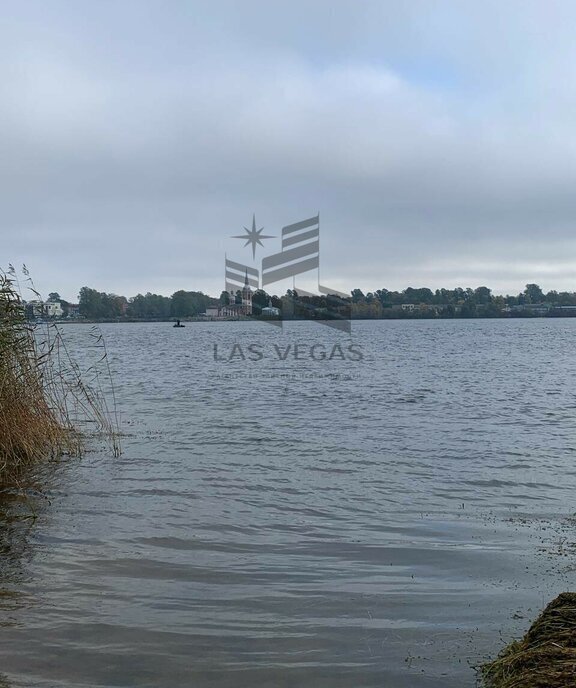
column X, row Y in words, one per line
column 270, row 311
column 563, row 311
column 240, row 303
column 37, row 309
column 53, row 309
column 246, row 297
column 535, row 309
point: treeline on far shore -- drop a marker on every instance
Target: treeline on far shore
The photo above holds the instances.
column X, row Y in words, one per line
column 380, row 304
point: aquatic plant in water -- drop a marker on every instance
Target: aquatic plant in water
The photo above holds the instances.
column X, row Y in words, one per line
column 44, row 400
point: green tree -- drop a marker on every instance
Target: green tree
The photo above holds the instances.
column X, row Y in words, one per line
column 259, row 300
column 153, row 306
column 383, row 295
column 187, row 304
column 533, row 294
column 468, row 310
column 90, row 302
column 482, row 295
column 552, row 296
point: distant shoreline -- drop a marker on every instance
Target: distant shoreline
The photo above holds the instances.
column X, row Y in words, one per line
column 135, row 321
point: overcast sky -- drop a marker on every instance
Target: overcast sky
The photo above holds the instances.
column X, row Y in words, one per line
column 436, row 139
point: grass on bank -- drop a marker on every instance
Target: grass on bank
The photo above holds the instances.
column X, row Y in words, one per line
column 43, row 397
column 545, row 657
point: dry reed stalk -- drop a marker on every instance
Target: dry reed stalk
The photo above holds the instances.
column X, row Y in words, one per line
column 545, row 657
column 43, row 396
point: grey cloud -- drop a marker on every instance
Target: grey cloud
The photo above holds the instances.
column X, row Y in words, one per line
column 135, row 141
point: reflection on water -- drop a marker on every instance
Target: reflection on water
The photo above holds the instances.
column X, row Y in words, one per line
column 17, row 515
column 301, row 522
column 16, row 522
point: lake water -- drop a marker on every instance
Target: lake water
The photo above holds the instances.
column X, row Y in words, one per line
column 304, row 522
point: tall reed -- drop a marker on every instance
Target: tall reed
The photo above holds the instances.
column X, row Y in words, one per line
column 44, row 399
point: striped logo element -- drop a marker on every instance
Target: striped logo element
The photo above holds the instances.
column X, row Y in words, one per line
column 300, row 252
column 236, row 276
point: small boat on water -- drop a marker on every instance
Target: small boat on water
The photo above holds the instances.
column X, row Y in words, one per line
column 177, row 324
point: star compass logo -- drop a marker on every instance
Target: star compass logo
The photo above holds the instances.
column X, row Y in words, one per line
column 268, row 290
column 253, row 236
